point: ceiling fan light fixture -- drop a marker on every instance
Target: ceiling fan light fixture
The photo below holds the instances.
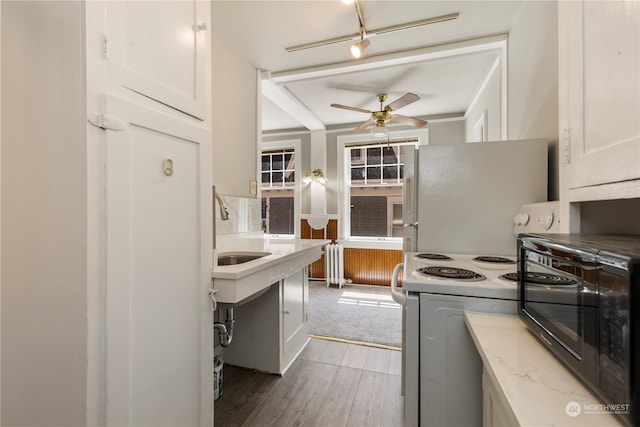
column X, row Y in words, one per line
column 358, row 48
column 379, row 131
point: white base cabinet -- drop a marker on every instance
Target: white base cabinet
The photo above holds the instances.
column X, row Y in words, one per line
column 270, row 330
column 495, row 412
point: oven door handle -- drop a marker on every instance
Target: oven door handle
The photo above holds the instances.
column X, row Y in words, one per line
column 397, row 294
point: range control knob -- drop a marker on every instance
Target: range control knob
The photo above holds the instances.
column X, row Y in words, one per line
column 546, row 220
column 521, row 219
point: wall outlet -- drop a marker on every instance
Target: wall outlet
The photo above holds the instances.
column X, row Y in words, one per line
column 253, row 187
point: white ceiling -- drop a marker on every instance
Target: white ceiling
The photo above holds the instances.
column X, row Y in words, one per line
column 444, row 63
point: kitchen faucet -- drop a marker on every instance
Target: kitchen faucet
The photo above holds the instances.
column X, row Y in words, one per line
column 224, row 214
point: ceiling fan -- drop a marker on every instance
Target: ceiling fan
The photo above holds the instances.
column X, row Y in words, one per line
column 385, row 114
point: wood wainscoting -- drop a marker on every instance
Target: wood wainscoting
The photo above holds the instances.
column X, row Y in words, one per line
column 361, row 266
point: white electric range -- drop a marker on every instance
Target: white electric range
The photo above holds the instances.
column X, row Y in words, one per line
column 442, row 371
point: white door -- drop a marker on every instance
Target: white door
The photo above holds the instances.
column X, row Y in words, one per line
column 294, row 313
column 158, row 326
column 157, row 49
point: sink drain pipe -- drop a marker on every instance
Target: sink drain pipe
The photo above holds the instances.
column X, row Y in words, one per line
column 225, row 330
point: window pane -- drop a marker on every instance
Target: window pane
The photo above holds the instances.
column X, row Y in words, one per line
column 289, row 176
column 276, row 178
column 368, row 216
column 276, row 162
column 374, row 173
column 266, row 163
column 356, row 156
column 288, row 161
column 357, row 175
column 265, row 178
column 390, row 173
column 389, row 155
column 374, row 156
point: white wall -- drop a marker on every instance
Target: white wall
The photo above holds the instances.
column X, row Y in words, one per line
column 533, row 79
column 447, row 132
column 43, row 248
column 488, row 102
column 235, row 119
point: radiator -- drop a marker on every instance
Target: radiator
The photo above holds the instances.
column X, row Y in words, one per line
column 334, row 264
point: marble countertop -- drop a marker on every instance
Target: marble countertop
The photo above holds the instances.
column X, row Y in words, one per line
column 280, row 249
column 529, row 380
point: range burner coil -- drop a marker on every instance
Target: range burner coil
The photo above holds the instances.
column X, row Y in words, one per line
column 494, row 259
column 451, row 273
column 439, row 257
column 541, row 279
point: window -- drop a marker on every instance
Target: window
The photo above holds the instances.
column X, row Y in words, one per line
column 375, row 190
column 370, row 210
column 278, row 190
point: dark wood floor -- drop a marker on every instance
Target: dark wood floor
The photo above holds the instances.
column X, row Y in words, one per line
column 331, row 384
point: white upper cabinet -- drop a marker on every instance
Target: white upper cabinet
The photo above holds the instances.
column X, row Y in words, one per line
column 157, row 49
column 599, row 88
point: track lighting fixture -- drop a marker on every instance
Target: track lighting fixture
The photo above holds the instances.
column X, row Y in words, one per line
column 358, row 48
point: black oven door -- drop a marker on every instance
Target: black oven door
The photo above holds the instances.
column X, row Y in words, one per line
column 558, row 302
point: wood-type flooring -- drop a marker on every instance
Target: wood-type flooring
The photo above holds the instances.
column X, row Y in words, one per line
column 331, row 384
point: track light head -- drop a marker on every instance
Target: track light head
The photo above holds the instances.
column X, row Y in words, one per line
column 358, row 48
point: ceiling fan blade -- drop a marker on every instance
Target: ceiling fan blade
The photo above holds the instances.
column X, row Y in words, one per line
column 405, row 99
column 364, row 125
column 346, row 107
column 408, row 120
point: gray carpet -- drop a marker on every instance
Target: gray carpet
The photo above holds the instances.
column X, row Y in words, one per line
column 355, row 312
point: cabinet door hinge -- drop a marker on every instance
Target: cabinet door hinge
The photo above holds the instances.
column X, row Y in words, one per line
column 566, row 146
column 199, row 27
column 104, row 121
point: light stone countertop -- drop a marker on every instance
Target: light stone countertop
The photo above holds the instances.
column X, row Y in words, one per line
column 280, row 249
column 234, row 284
column 529, row 380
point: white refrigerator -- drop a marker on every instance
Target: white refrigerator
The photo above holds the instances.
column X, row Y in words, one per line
column 461, row 198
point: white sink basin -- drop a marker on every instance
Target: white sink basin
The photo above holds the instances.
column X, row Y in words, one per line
column 235, row 258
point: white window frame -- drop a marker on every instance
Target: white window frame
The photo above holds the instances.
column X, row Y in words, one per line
column 296, row 145
column 344, row 141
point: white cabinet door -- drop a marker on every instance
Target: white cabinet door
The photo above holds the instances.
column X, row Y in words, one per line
column 295, row 296
column 158, row 326
column 158, row 49
column 599, row 86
